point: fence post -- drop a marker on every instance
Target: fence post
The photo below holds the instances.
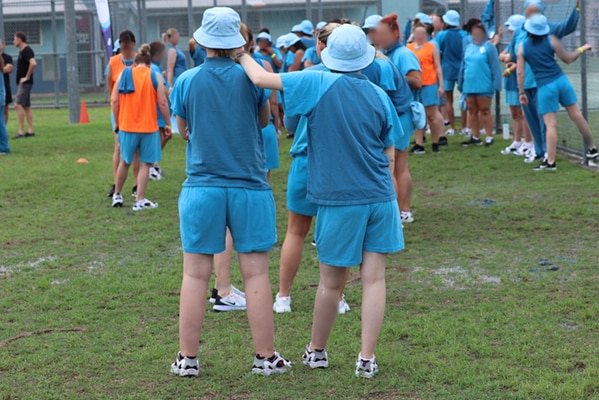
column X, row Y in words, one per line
column 55, row 56
column 2, row 22
column 583, row 76
column 70, row 32
column 498, row 24
column 244, row 11
column 308, row 10
column 320, row 14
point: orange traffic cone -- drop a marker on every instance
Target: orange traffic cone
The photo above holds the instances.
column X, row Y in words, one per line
column 83, row 116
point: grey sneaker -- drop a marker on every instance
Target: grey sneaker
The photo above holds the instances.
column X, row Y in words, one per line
column 366, row 368
column 271, row 366
column 316, row 358
column 185, row 366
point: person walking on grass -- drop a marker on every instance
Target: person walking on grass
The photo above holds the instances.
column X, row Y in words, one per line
column 137, row 93
column 25, row 66
column 4, row 147
column 351, row 122
column 6, row 71
column 479, row 79
column 554, row 87
column 158, row 53
column 220, row 113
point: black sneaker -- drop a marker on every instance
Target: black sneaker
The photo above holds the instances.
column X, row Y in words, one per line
column 592, row 154
column 545, row 166
column 111, row 192
column 290, row 135
column 214, row 296
column 134, row 191
column 436, row 147
column 472, row 141
column 489, row 142
column 417, row 149
column 443, row 141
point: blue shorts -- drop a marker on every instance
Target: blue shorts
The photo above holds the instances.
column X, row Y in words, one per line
column 429, row 95
column 148, row 145
column 343, row 233
column 297, row 188
column 408, row 127
column 271, row 147
column 512, row 98
column 555, row 93
column 490, row 95
column 449, row 84
column 205, row 212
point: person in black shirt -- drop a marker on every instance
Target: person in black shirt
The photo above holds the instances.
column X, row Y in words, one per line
column 25, row 66
column 7, row 70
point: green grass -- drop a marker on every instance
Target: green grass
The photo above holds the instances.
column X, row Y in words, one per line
column 474, row 310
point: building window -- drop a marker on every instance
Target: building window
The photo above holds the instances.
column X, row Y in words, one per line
column 33, row 30
column 179, row 22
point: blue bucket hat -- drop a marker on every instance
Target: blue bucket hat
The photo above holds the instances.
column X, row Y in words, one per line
column 265, row 36
column 348, row 50
column 306, row 27
column 320, row 25
column 536, row 3
column 296, row 28
column 290, row 40
column 220, row 29
column 372, row 21
column 537, row 25
column 515, row 22
column 452, row 18
column 280, row 41
column 422, row 17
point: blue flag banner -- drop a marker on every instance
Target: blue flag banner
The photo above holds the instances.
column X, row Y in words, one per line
column 407, row 31
column 488, row 18
column 105, row 24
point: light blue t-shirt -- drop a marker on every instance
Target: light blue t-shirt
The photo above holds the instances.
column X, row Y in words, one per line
column 519, row 37
column 451, row 49
column 266, row 58
column 480, row 71
column 156, row 69
column 404, row 59
column 312, row 55
column 226, row 145
column 180, row 62
column 198, row 56
column 288, row 61
column 540, row 56
column 308, row 41
column 350, row 122
column 383, row 73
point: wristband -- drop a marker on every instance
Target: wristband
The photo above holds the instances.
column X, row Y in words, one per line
column 168, row 127
column 273, row 56
column 239, row 55
column 581, row 50
column 509, row 71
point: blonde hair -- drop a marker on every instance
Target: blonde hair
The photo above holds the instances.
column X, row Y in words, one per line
column 144, row 56
column 168, row 34
column 325, row 32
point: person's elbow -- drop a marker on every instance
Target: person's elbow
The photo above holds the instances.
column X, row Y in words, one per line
column 33, row 63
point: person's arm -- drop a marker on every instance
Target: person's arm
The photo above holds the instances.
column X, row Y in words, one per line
column 504, row 57
column 308, row 63
column 258, row 75
column 8, row 68
column 182, row 125
column 439, row 70
column 297, row 61
column 274, row 101
column 275, row 58
column 497, row 37
column 170, row 67
column 162, row 98
column 109, row 82
column 564, row 28
column 30, row 69
column 567, row 56
column 264, row 115
column 521, row 69
column 390, row 153
column 496, row 75
column 461, row 76
column 414, row 79
column 115, row 107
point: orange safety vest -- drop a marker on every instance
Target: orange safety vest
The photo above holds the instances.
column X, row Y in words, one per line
column 116, row 66
column 427, row 62
column 137, row 110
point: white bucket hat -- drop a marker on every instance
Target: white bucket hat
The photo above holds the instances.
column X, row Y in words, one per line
column 348, row 50
column 220, row 29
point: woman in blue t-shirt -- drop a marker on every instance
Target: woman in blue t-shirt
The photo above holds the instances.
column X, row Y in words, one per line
column 554, row 87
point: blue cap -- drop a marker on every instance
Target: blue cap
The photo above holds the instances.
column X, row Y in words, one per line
column 321, row 25
column 117, row 46
column 220, row 29
column 515, row 22
column 264, row 35
column 537, row 25
column 422, row 17
column 348, row 50
column 290, row 40
column 306, row 27
column 535, row 3
column 372, row 21
column 452, row 18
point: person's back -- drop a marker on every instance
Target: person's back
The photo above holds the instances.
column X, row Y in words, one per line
column 383, row 73
column 452, row 51
column 540, row 56
column 138, row 112
column 180, row 61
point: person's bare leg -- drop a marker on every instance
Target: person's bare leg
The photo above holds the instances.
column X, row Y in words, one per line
column 435, row 120
column 449, row 109
column 254, row 269
column 484, row 107
column 197, row 269
column 473, row 116
column 581, row 124
column 347, row 271
column 222, row 268
column 419, row 137
column 136, row 168
column 298, row 227
column 142, row 180
column 551, row 124
column 29, row 117
column 121, row 176
column 326, row 304
column 21, row 118
column 526, row 129
column 516, row 112
column 404, row 180
column 116, row 157
column 372, row 273
column 465, row 123
column 6, row 108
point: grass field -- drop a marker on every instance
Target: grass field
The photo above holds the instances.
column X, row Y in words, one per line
column 495, row 296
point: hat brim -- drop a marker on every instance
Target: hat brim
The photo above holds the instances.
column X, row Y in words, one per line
column 218, row 42
column 531, row 30
column 449, row 21
column 368, row 26
column 353, row 65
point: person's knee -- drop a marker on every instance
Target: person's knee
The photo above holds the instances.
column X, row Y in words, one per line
column 485, row 112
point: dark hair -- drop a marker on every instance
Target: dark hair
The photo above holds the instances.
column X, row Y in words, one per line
column 22, row 36
column 143, row 55
column 536, row 38
column 156, row 48
column 471, row 22
column 478, row 26
column 428, row 27
column 127, row 36
column 265, row 30
column 247, row 34
column 299, row 45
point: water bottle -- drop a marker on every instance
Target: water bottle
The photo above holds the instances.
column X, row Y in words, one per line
column 506, row 130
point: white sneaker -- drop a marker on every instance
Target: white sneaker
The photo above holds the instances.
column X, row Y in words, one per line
column 511, row 149
column 117, row 200
column 407, row 217
column 343, row 306
column 185, row 366
column 271, row 366
column 465, row 131
column 282, row 304
column 450, row 132
column 428, row 130
column 366, row 368
column 522, row 151
column 530, row 157
column 315, row 358
column 144, row 204
column 232, row 302
column 154, row 174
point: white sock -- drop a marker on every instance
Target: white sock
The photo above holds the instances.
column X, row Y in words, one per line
column 516, row 145
column 489, row 139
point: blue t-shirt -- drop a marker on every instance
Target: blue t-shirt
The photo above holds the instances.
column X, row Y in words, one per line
column 226, row 145
column 308, row 41
column 540, row 55
column 198, row 56
column 180, row 62
column 156, row 69
column 266, row 58
column 480, row 71
column 312, row 55
column 451, row 48
column 404, row 59
column 288, row 61
column 383, row 73
column 350, row 122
